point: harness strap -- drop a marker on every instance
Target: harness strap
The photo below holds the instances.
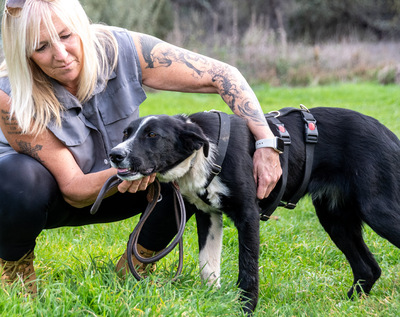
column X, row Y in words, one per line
column 284, row 134
column 222, row 146
column 310, row 138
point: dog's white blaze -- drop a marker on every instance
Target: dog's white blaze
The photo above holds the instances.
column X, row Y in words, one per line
column 141, row 126
column 127, row 144
column 210, row 255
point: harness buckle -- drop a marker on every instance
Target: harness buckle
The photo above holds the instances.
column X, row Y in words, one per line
column 283, row 133
column 311, row 130
column 287, row 205
column 281, row 130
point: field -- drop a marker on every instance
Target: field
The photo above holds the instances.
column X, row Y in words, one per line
column 301, row 272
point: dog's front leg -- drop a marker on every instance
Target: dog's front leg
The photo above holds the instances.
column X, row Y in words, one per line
column 209, row 231
column 249, row 245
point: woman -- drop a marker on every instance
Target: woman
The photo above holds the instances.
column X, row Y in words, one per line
column 68, row 88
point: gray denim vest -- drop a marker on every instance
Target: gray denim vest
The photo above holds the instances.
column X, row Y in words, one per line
column 91, row 129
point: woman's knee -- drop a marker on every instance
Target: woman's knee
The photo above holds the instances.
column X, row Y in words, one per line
column 24, row 182
column 26, row 191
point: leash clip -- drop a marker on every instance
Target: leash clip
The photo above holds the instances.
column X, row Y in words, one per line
column 216, row 169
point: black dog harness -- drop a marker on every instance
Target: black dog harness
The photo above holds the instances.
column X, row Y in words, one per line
column 310, row 139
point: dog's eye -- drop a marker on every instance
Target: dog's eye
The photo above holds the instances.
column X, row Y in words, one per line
column 152, row 134
column 125, row 134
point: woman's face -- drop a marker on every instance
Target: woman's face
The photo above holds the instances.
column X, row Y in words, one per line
column 61, row 60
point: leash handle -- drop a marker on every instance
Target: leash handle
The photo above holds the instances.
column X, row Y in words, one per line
column 110, row 183
column 133, row 239
column 114, row 181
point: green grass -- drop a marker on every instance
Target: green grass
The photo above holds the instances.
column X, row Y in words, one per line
column 301, row 272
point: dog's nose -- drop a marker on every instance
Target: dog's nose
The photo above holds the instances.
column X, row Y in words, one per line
column 117, row 155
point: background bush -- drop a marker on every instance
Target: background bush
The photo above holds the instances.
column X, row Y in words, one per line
column 281, row 42
column 286, row 42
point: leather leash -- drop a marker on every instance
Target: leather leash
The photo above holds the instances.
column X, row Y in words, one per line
column 112, row 182
column 132, row 243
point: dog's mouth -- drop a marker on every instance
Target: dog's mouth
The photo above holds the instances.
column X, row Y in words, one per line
column 130, row 174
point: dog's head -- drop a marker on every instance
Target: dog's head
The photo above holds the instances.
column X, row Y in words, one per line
column 157, row 144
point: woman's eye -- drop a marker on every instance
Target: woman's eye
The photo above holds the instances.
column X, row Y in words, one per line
column 41, row 48
column 65, row 37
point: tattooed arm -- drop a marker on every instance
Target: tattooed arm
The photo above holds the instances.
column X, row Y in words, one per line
column 168, row 67
column 78, row 189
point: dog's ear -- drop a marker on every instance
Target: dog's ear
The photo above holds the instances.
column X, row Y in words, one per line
column 193, row 139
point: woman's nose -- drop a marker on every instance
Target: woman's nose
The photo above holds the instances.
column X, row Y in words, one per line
column 59, row 51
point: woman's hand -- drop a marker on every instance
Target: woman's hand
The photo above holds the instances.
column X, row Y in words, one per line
column 137, row 185
column 267, row 171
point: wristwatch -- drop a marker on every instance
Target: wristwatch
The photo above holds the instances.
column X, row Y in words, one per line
column 276, row 143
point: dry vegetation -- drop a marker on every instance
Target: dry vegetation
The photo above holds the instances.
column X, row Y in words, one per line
column 262, row 57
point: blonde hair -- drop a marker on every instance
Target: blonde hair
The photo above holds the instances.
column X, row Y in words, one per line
column 33, row 102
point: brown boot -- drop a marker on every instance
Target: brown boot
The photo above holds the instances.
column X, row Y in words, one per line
column 20, row 271
column 122, row 266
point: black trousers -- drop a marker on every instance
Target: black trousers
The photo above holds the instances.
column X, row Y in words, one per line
column 30, row 201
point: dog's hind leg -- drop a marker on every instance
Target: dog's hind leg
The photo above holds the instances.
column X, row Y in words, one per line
column 384, row 218
column 345, row 229
column 209, row 231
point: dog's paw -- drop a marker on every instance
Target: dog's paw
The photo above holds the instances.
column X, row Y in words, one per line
column 211, row 280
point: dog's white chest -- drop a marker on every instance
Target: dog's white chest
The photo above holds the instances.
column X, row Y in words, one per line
column 206, row 200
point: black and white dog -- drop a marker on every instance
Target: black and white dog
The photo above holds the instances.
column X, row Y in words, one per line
column 355, row 179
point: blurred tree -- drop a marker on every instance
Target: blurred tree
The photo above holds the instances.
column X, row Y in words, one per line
column 321, row 19
column 200, row 20
column 148, row 16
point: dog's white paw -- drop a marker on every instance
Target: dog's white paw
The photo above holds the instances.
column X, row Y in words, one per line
column 211, row 280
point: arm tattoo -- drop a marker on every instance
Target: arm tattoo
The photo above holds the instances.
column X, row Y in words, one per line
column 168, row 56
column 13, row 128
column 148, row 43
column 234, row 92
column 27, row 148
column 10, row 122
column 231, row 93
